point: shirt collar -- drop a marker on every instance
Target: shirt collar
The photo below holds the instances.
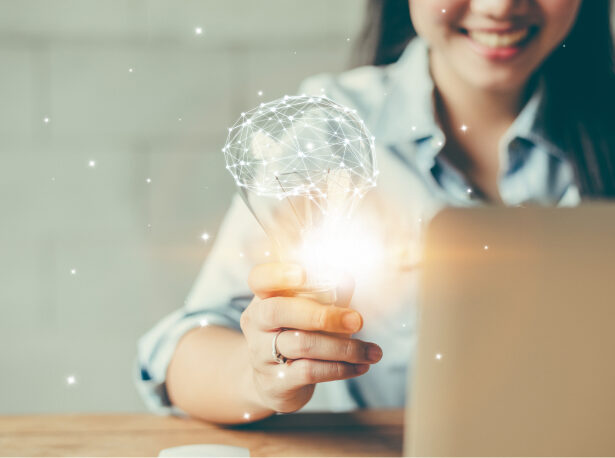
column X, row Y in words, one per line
column 410, row 116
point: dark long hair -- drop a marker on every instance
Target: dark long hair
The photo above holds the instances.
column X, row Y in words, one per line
column 580, row 84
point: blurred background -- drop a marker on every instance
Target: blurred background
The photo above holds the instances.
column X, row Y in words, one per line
column 112, row 183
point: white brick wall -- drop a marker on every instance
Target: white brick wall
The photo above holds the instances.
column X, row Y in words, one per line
column 135, row 245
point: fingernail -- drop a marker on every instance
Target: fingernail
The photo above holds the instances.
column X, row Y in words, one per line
column 374, row 353
column 351, row 321
column 294, row 275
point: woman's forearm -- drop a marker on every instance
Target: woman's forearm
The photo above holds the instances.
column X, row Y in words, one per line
column 210, row 377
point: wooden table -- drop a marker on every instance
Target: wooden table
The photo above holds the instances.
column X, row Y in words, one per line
column 361, row 433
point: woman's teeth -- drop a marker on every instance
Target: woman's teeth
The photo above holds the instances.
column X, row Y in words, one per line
column 499, row 40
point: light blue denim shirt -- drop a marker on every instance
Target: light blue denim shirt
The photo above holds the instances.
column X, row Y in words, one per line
column 397, row 104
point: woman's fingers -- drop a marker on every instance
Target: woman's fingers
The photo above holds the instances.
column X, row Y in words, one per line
column 295, row 374
column 267, row 280
column 304, row 314
column 295, row 344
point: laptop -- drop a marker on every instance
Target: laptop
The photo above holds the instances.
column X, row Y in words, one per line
column 516, row 342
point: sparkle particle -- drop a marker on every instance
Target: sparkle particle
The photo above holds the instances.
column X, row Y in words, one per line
column 267, row 253
column 198, row 30
column 438, row 356
column 92, row 163
column 246, row 416
column 486, row 247
column 203, row 322
column 130, row 70
column 148, row 180
column 464, row 128
column 260, row 93
column 73, row 271
column 46, row 120
column 71, row 380
column 205, row 236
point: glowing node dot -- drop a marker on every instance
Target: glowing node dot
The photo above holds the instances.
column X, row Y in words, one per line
column 71, row 380
column 92, row 163
column 486, row 247
column 198, row 30
column 73, row 271
column 203, row 322
column 205, row 236
column 438, row 356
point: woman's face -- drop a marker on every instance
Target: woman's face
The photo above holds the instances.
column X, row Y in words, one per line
column 493, row 44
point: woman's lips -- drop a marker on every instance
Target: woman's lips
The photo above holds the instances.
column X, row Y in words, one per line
column 499, row 45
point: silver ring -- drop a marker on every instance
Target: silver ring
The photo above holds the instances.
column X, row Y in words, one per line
column 277, row 356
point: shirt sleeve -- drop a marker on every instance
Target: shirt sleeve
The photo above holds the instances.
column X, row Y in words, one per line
column 218, row 297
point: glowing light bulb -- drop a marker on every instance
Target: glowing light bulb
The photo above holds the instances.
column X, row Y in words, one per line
column 302, row 164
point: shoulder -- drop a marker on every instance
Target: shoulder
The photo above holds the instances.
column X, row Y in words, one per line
column 362, row 88
column 388, row 98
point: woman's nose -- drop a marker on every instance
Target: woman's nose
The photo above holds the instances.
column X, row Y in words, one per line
column 499, row 9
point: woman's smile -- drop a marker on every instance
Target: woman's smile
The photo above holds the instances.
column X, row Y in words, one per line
column 499, row 44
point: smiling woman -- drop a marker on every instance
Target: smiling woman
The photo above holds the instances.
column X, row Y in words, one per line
column 471, row 102
column 502, row 44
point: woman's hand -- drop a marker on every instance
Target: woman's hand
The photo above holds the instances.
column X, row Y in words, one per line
column 312, row 355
